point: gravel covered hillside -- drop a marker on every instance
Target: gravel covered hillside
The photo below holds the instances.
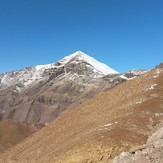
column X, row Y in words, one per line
column 99, row 129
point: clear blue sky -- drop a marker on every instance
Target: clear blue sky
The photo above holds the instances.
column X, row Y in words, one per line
column 124, row 34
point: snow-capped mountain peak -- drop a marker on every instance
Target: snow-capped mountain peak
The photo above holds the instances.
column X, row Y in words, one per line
column 80, row 56
column 83, row 65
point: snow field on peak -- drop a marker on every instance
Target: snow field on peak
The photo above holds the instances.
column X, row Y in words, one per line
column 104, row 69
column 33, row 75
column 40, row 67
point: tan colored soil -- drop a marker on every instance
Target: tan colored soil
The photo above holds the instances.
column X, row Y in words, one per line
column 98, row 129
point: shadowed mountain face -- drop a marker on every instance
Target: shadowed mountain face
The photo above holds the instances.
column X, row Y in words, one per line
column 40, row 94
column 99, row 129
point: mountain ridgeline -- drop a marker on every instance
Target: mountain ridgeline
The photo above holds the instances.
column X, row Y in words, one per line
column 39, row 94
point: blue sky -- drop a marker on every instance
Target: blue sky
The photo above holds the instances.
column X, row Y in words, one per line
column 124, row 34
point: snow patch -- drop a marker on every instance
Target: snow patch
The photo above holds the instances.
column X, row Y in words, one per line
column 124, row 77
column 3, row 111
column 17, row 88
column 140, row 101
column 107, row 126
column 158, row 71
column 40, row 67
column 138, row 72
column 155, row 76
column 158, row 114
column 152, row 86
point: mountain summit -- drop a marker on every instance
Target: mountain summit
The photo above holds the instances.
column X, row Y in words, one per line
column 33, row 75
column 98, row 66
column 39, row 94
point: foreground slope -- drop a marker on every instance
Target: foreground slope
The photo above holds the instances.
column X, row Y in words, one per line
column 152, row 151
column 12, row 133
column 99, row 129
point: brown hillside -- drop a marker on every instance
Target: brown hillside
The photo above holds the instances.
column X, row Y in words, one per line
column 98, row 129
column 12, row 133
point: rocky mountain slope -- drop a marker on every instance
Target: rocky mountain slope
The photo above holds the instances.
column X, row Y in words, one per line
column 99, row 129
column 40, row 94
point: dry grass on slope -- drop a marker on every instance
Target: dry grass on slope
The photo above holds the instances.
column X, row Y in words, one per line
column 98, row 129
column 13, row 132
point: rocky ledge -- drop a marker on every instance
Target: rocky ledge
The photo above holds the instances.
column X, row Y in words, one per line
column 151, row 152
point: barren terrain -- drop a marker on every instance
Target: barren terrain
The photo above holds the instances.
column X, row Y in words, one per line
column 12, row 133
column 98, row 129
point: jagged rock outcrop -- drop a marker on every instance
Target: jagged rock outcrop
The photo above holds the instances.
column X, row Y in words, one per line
column 151, row 152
